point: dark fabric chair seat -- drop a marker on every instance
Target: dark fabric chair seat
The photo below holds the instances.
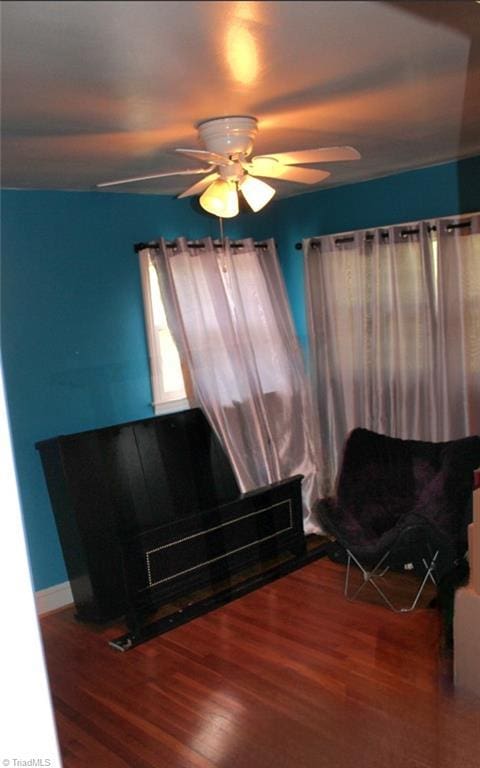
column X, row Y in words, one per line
column 407, row 536
column 408, row 498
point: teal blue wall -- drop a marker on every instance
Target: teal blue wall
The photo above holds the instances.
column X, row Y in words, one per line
column 440, row 190
column 73, row 342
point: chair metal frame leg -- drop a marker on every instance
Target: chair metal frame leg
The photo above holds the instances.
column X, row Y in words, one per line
column 368, row 578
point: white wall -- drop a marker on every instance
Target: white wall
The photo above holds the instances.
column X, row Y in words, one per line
column 27, row 723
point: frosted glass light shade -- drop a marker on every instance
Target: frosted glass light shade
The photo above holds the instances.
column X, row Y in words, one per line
column 257, row 193
column 220, row 199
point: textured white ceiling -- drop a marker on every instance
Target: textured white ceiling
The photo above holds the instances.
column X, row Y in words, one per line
column 93, row 91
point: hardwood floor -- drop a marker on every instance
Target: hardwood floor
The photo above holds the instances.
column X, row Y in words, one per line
column 289, row 676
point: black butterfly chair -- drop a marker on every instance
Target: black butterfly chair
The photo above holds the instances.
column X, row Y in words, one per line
column 401, row 505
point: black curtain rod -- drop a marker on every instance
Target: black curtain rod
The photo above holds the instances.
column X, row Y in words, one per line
column 196, row 244
column 403, row 233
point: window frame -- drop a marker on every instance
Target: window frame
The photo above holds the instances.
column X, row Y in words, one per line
column 161, row 402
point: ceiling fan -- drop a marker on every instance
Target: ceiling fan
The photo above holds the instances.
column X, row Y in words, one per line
column 229, row 168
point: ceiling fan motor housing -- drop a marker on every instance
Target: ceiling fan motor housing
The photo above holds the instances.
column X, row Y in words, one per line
column 231, row 136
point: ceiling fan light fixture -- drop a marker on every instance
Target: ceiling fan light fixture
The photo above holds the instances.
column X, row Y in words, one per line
column 257, row 193
column 220, row 199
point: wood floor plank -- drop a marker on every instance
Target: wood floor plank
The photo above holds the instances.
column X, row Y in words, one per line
column 289, row 676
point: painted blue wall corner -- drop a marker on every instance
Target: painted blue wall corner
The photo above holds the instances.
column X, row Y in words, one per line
column 73, row 341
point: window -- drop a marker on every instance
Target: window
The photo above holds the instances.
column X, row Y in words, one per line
column 168, row 388
column 256, row 326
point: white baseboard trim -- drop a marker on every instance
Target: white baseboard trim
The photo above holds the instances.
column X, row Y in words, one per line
column 58, row 596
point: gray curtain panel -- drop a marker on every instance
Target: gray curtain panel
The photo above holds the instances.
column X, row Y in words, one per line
column 228, row 312
column 394, row 328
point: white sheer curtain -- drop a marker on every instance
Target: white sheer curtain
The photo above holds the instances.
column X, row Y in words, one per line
column 458, row 328
column 229, row 314
column 394, row 333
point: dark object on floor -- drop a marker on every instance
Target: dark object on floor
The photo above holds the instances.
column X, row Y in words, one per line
column 402, row 505
column 336, row 553
column 150, row 511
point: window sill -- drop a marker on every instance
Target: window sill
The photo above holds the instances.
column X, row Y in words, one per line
column 171, row 407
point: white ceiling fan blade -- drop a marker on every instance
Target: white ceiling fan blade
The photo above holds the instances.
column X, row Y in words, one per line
column 199, row 186
column 207, row 157
column 189, row 172
column 288, row 173
column 321, row 155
